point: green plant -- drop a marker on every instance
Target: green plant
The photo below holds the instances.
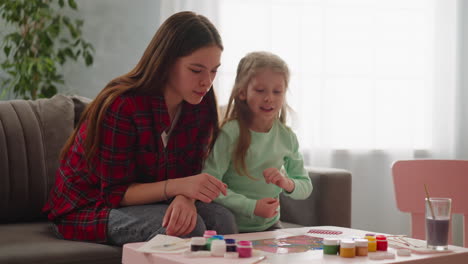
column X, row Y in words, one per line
column 41, row 40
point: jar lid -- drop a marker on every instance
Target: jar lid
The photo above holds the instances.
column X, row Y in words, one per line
column 230, row 240
column 347, row 243
column 198, row 241
column 217, row 242
column 381, row 237
column 244, row 243
column 361, row 242
column 403, row 252
column 370, row 238
column 218, row 237
column 331, row 241
column 209, row 233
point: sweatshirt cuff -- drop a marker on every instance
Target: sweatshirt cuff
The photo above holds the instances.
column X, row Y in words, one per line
column 249, row 207
column 300, row 190
column 291, row 194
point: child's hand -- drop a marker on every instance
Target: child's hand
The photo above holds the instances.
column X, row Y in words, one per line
column 273, row 175
column 203, row 187
column 266, row 207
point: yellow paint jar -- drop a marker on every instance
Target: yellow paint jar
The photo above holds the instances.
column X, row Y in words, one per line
column 347, row 248
column 372, row 244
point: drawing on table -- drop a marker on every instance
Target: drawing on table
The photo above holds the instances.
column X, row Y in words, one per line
column 285, row 245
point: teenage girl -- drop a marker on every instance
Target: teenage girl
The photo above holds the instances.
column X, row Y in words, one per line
column 132, row 168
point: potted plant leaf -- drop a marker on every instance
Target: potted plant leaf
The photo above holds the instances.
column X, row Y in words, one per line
column 40, row 38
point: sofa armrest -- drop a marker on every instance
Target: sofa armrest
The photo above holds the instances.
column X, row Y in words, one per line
column 329, row 203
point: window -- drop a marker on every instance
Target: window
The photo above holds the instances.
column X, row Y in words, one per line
column 362, row 71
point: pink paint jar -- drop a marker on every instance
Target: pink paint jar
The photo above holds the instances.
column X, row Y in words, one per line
column 244, row 248
column 209, row 233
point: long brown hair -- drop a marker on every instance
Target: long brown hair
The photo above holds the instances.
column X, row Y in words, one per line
column 180, row 35
column 238, row 109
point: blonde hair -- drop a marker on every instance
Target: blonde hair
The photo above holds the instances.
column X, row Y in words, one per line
column 238, row 109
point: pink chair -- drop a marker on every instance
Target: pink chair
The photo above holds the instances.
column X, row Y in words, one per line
column 443, row 178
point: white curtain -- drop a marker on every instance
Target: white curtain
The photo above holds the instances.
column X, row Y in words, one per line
column 373, row 81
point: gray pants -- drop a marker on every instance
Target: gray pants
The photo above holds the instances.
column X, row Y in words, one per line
column 143, row 222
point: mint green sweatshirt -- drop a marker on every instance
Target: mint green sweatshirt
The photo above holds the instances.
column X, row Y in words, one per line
column 277, row 148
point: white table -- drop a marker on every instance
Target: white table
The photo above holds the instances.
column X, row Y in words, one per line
column 131, row 256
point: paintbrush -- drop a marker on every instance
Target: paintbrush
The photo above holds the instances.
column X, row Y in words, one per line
column 429, row 201
column 170, row 244
column 260, row 259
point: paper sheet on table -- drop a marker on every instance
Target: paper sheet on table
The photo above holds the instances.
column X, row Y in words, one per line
column 165, row 244
column 415, row 245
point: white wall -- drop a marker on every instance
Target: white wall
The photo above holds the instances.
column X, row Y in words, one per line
column 119, row 30
column 462, row 150
column 462, row 98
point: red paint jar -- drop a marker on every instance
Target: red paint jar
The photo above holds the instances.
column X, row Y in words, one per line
column 244, row 248
column 382, row 243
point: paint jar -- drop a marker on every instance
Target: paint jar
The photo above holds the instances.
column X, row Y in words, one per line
column 197, row 243
column 347, row 248
column 209, row 233
column 382, row 243
column 372, row 244
column 208, row 243
column 244, row 248
column 361, row 247
column 331, row 246
column 218, row 248
column 211, row 239
column 230, row 245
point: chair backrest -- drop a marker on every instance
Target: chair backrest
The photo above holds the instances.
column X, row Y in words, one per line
column 443, row 178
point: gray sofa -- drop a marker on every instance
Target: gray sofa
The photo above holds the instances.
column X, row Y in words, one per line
column 31, row 135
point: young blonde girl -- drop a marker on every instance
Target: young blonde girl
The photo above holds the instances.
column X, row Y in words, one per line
column 255, row 153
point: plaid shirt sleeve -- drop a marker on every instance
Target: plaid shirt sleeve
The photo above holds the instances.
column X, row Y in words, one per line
column 114, row 163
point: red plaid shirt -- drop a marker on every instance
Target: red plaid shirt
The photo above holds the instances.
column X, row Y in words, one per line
column 131, row 150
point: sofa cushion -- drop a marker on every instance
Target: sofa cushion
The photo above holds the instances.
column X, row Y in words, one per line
column 35, row 243
column 80, row 104
column 329, row 203
column 31, row 136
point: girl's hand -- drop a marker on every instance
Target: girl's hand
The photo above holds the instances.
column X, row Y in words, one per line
column 181, row 216
column 203, row 187
column 273, row 175
column 266, row 207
